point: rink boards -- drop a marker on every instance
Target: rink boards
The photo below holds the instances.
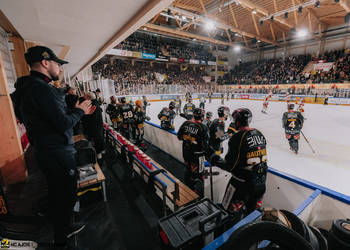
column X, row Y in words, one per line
column 247, row 96
column 316, row 205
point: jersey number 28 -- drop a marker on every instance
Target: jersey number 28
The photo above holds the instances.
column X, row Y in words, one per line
column 127, row 114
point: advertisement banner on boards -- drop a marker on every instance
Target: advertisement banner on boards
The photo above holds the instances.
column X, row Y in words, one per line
column 173, row 59
column 194, row 61
column 211, row 63
column 203, row 62
column 136, row 54
column 148, row 56
column 181, row 60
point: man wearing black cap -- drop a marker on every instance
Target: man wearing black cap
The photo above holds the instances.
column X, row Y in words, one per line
column 49, row 125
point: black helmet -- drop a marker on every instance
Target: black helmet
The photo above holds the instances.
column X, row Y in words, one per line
column 123, row 100
column 172, row 105
column 291, row 106
column 243, row 116
column 223, row 110
column 198, row 113
column 209, row 114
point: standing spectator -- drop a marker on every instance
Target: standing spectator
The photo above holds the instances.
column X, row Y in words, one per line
column 49, row 125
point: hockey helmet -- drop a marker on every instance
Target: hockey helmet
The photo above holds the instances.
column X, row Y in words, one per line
column 223, row 111
column 241, row 117
column 172, row 105
column 138, row 103
column 198, row 114
column 123, row 99
column 209, row 115
column 291, row 106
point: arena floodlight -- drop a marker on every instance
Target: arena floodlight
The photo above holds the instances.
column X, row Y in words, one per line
column 254, row 11
column 209, row 25
column 301, row 33
column 237, row 48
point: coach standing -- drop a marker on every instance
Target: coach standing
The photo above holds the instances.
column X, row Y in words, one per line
column 49, row 125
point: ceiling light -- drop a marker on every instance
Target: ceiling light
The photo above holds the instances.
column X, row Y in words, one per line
column 194, row 39
column 254, row 11
column 237, row 48
column 302, row 33
column 209, row 25
column 259, row 41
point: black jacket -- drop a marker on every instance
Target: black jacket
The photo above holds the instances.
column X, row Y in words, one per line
column 93, row 124
column 42, row 109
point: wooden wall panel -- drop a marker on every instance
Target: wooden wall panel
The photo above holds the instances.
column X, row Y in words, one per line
column 12, row 164
column 20, row 64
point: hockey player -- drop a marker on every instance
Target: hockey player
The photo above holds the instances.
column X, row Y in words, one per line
column 217, row 130
column 167, row 116
column 266, row 103
column 210, row 95
column 222, row 98
column 292, row 122
column 246, row 159
column 301, row 107
column 194, row 135
column 188, row 110
column 178, row 103
column 207, row 121
column 112, row 111
column 287, row 98
column 202, row 102
column 140, row 117
column 145, row 103
column 227, row 96
column 127, row 116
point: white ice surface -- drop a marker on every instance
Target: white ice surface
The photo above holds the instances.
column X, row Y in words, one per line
column 327, row 128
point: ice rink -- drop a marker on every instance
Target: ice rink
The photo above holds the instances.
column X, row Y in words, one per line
column 327, row 128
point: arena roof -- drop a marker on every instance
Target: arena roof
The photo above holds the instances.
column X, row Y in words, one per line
column 84, row 29
column 250, row 23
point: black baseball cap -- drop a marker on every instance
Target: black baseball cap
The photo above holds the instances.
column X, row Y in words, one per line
column 39, row 53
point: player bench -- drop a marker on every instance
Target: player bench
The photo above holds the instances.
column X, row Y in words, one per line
column 172, row 191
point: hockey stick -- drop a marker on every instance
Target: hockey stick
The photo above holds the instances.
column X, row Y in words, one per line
column 313, row 151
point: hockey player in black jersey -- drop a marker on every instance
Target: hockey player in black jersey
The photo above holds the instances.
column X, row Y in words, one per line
column 140, row 117
column 112, row 111
column 194, row 135
column 207, row 121
column 210, row 96
column 167, row 116
column 246, row 159
column 202, row 102
column 217, row 130
column 292, row 122
column 126, row 111
column 145, row 103
column 188, row 110
column 222, row 98
column 178, row 103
